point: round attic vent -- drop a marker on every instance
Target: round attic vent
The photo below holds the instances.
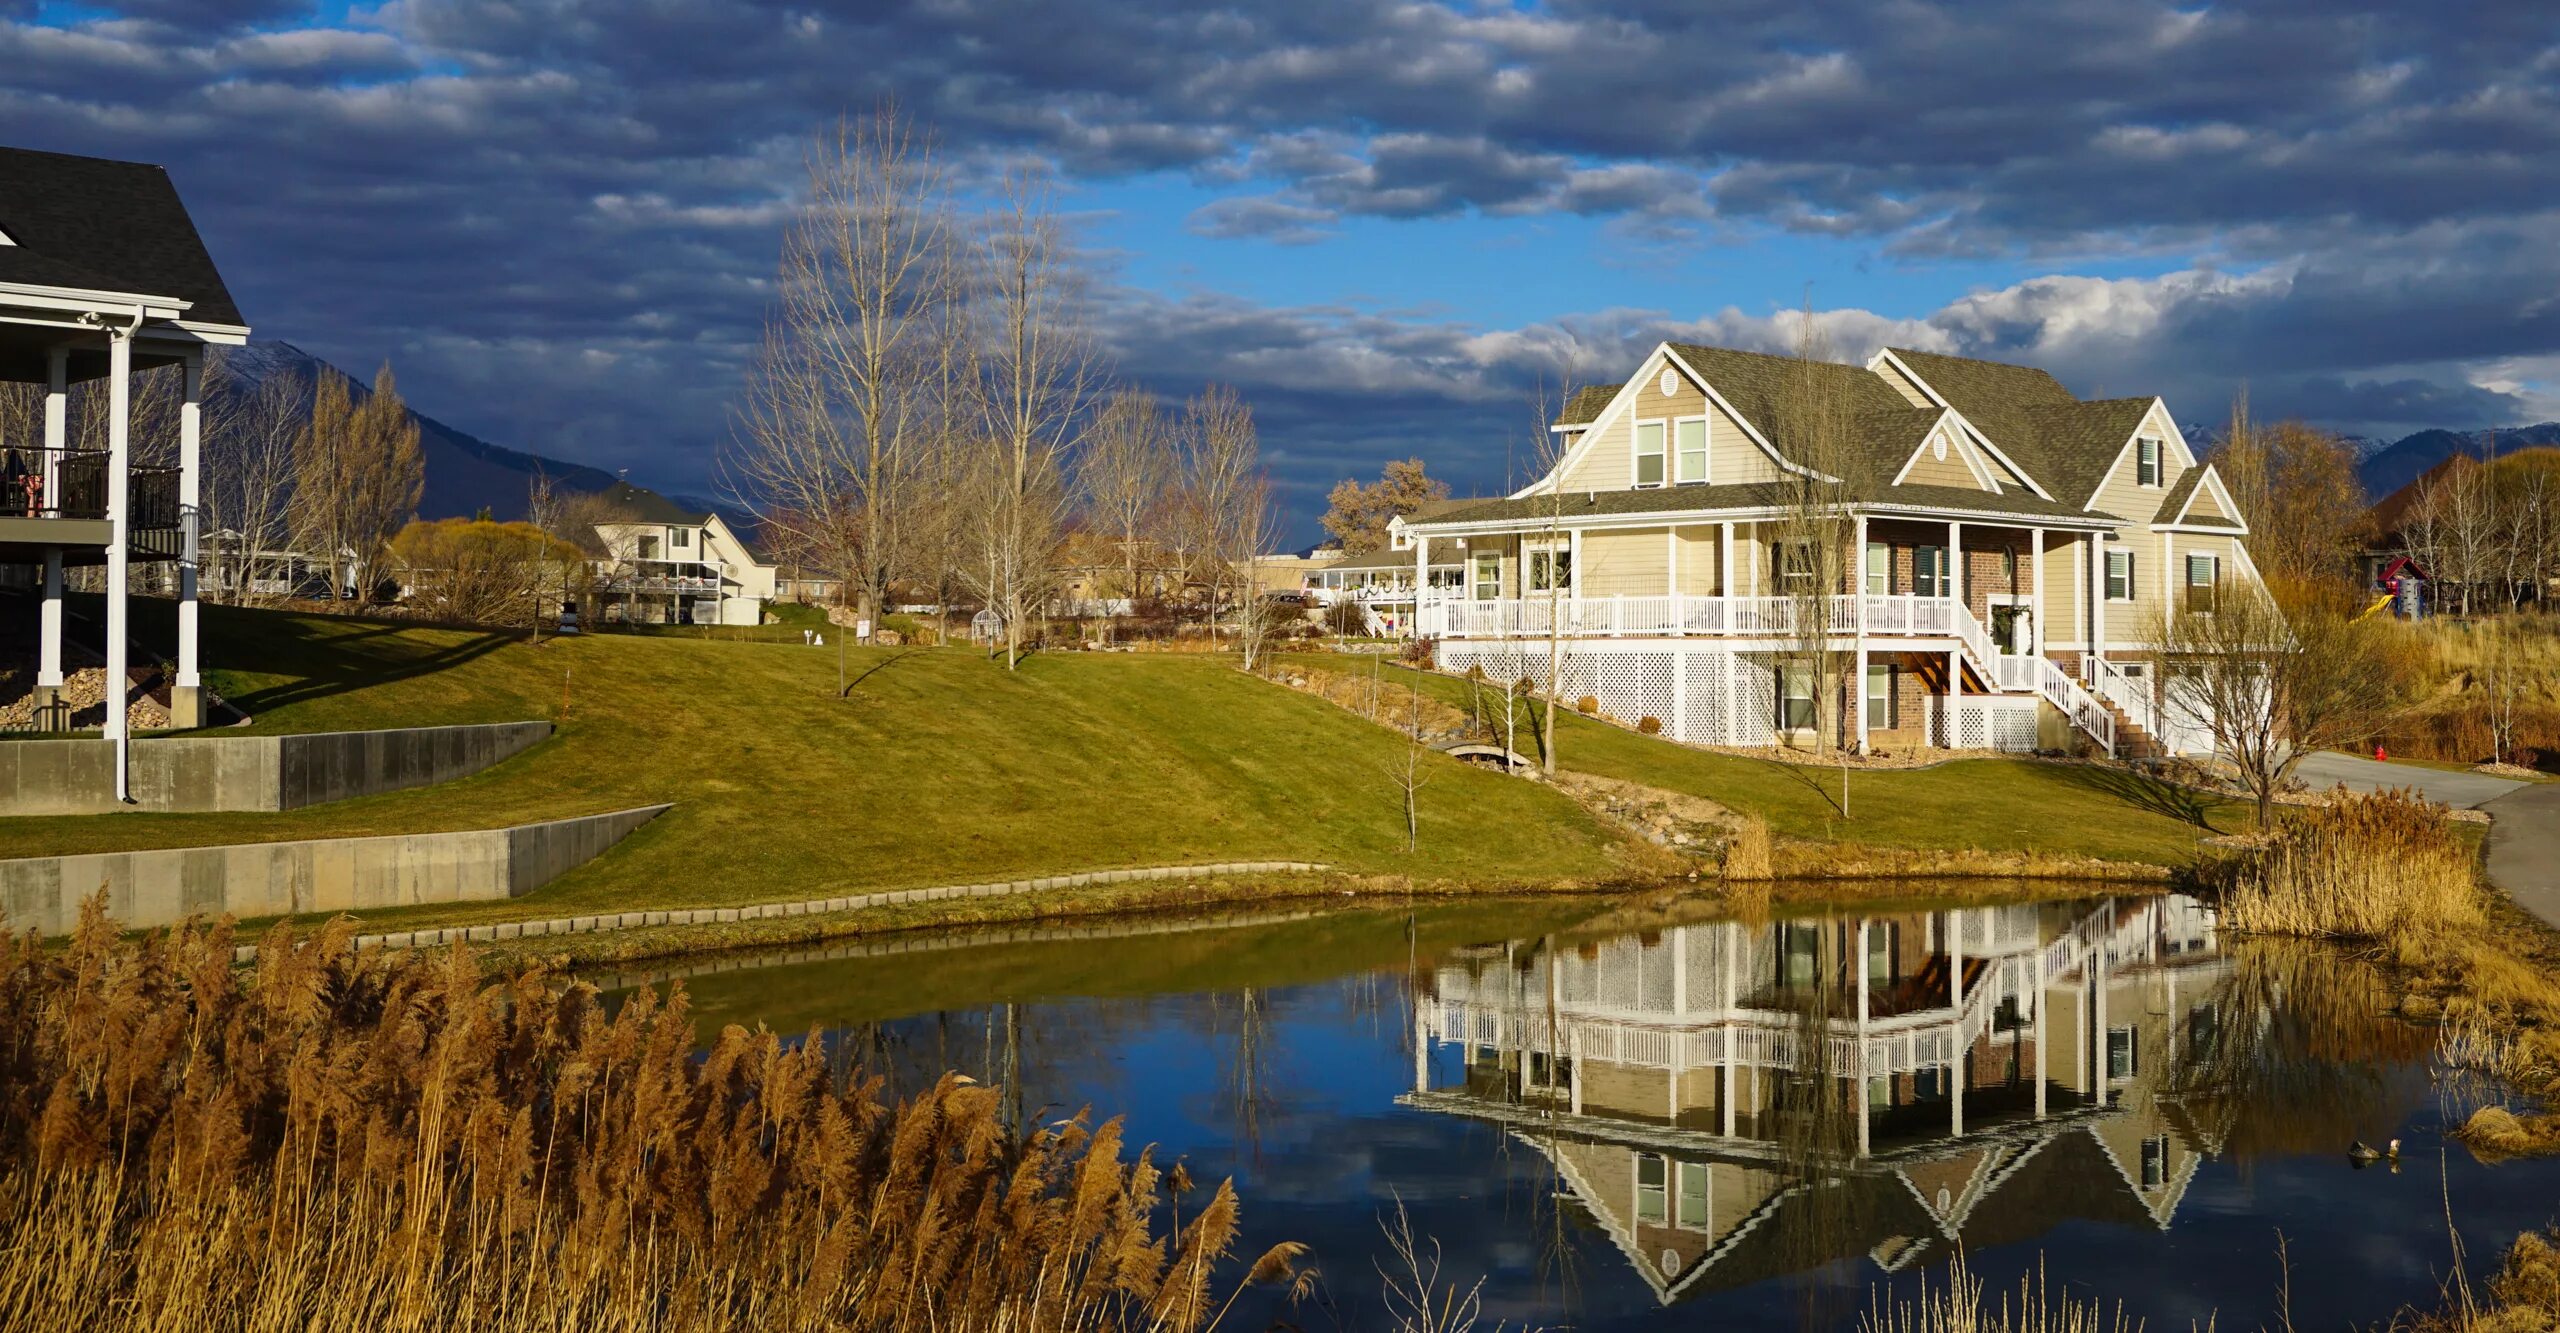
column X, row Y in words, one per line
column 1670, row 381
column 1938, row 446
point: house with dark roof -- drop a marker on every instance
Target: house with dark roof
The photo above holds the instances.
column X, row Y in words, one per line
column 665, row 564
column 2008, row 551
column 102, row 276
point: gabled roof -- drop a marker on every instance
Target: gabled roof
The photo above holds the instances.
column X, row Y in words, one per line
column 1584, row 406
column 1761, row 387
column 2065, row 444
column 2173, row 506
column 99, row 225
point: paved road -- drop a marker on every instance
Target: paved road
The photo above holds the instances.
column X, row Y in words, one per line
column 2524, row 843
column 2461, row 790
column 2524, row 848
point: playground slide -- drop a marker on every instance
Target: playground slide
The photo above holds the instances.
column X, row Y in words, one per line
column 2378, row 603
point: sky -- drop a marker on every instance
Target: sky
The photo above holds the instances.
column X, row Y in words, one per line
column 1385, row 224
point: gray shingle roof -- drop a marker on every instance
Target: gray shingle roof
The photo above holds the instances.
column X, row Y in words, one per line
column 2183, row 490
column 1758, row 495
column 647, row 506
column 2066, row 445
column 90, row 223
column 1585, row 404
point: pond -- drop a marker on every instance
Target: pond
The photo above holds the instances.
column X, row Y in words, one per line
column 1631, row 1113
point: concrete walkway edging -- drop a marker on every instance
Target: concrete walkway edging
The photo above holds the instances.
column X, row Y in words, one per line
column 706, row 916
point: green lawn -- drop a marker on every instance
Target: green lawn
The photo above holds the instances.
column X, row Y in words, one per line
column 1992, row 804
column 942, row 767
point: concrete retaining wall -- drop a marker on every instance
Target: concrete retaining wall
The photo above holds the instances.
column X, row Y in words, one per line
column 155, row 888
column 201, row 773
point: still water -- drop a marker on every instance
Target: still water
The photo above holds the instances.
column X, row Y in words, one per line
column 1633, row 1114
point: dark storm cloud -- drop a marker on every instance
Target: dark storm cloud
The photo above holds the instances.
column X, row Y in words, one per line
column 560, row 216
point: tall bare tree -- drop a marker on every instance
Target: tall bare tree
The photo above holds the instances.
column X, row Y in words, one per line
column 357, row 474
column 1038, row 365
column 1548, row 569
column 2297, row 490
column 1126, row 467
column 1815, row 555
column 1222, row 455
column 249, row 432
column 838, row 415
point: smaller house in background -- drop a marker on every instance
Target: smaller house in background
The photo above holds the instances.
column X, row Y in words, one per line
column 1382, row 580
column 667, row 565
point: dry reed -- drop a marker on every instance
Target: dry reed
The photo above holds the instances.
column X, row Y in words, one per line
column 2363, row 866
column 1747, row 855
column 1958, row 1307
column 367, row 1142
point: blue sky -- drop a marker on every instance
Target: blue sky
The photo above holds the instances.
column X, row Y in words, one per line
column 1383, row 224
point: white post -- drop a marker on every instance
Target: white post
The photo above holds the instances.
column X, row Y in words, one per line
column 1724, row 569
column 1858, row 596
column 2097, row 597
column 186, row 697
column 57, row 400
column 2043, row 1070
column 119, row 532
column 1421, row 583
column 1865, row 1093
column 2035, row 592
column 1955, row 566
column 1956, row 1053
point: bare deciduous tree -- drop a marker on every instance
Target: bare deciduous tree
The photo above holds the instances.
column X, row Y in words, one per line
column 1125, row 469
column 1038, row 367
column 357, row 474
column 2297, row 490
column 2274, row 674
column 1817, row 527
column 839, row 413
column 250, row 430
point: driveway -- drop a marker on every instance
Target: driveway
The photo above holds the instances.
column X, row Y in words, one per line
column 2524, row 848
column 2328, row 768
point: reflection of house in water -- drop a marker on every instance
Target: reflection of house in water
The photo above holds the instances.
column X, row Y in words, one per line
column 1735, row 1102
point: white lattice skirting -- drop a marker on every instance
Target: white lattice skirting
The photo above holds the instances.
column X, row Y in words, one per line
column 1714, row 696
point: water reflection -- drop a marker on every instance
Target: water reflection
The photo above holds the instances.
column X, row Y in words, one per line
column 1610, row 1109
column 1731, row 1102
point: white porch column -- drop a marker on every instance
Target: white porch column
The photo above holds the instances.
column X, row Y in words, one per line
column 1858, row 599
column 119, row 532
column 2043, row 1070
column 1573, row 588
column 2097, row 591
column 2035, row 593
column 1955, row 564
column 1421, row 1052
column 186, row 697
column 1866, row 1094
column 1724, row 566
column 1422, row 583
column 1958, row 1056
column 57, row 400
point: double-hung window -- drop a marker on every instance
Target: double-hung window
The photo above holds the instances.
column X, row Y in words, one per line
column 1795, row 698
column 2204, row 577
column 1488, row 576
column 1931, row 576
column 1691, row 439
column 1879, row 569
column 680, row 538
column 2146, row 462
column 1880, row 696
column 1551, row 571
column 1692, row 1199
column 1648, row 453
column 2119, row 576
column 1653, row 1189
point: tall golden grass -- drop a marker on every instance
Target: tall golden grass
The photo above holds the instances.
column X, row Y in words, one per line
column 2362, row 866
column 1958, row 1307
column 388, row 1143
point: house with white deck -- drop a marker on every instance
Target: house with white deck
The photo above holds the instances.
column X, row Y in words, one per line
column 2013, row 550
column 102, row 276
column 668, row 565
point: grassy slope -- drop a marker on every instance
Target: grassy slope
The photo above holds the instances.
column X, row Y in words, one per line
column 942, row 768
column 1992, row 804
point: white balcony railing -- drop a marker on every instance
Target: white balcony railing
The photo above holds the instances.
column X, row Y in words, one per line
column 1446, row 616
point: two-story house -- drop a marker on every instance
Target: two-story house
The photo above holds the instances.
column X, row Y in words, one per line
column 667, row 565
column 103, row 277
column 2013, row 550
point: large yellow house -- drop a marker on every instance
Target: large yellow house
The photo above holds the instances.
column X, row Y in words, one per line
column 2013, row 547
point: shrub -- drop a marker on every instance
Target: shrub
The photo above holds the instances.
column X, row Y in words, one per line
column 2363, row 866
column 1650, row 726
column 1587, row 706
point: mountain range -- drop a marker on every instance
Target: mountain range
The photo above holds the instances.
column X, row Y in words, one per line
column 465, row 474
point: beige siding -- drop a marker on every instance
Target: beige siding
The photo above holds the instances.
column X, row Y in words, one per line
column 1927, row 469
column 1700, row 548
column 1902, row 385
column 2203, row 505
column 1610, row 463
column 2065, row 573
column 1631, row 563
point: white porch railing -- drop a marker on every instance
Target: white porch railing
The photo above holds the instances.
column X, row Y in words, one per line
column 1682, row 614
column 2043, row 676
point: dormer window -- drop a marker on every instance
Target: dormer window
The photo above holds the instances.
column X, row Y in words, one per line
column 1649, row 453
column 680, row 538
column 2146, row 462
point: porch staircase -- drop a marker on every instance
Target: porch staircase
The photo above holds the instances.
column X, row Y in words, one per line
column 2132, row 742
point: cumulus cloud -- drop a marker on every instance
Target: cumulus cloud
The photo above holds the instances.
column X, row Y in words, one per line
column 562, row 215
